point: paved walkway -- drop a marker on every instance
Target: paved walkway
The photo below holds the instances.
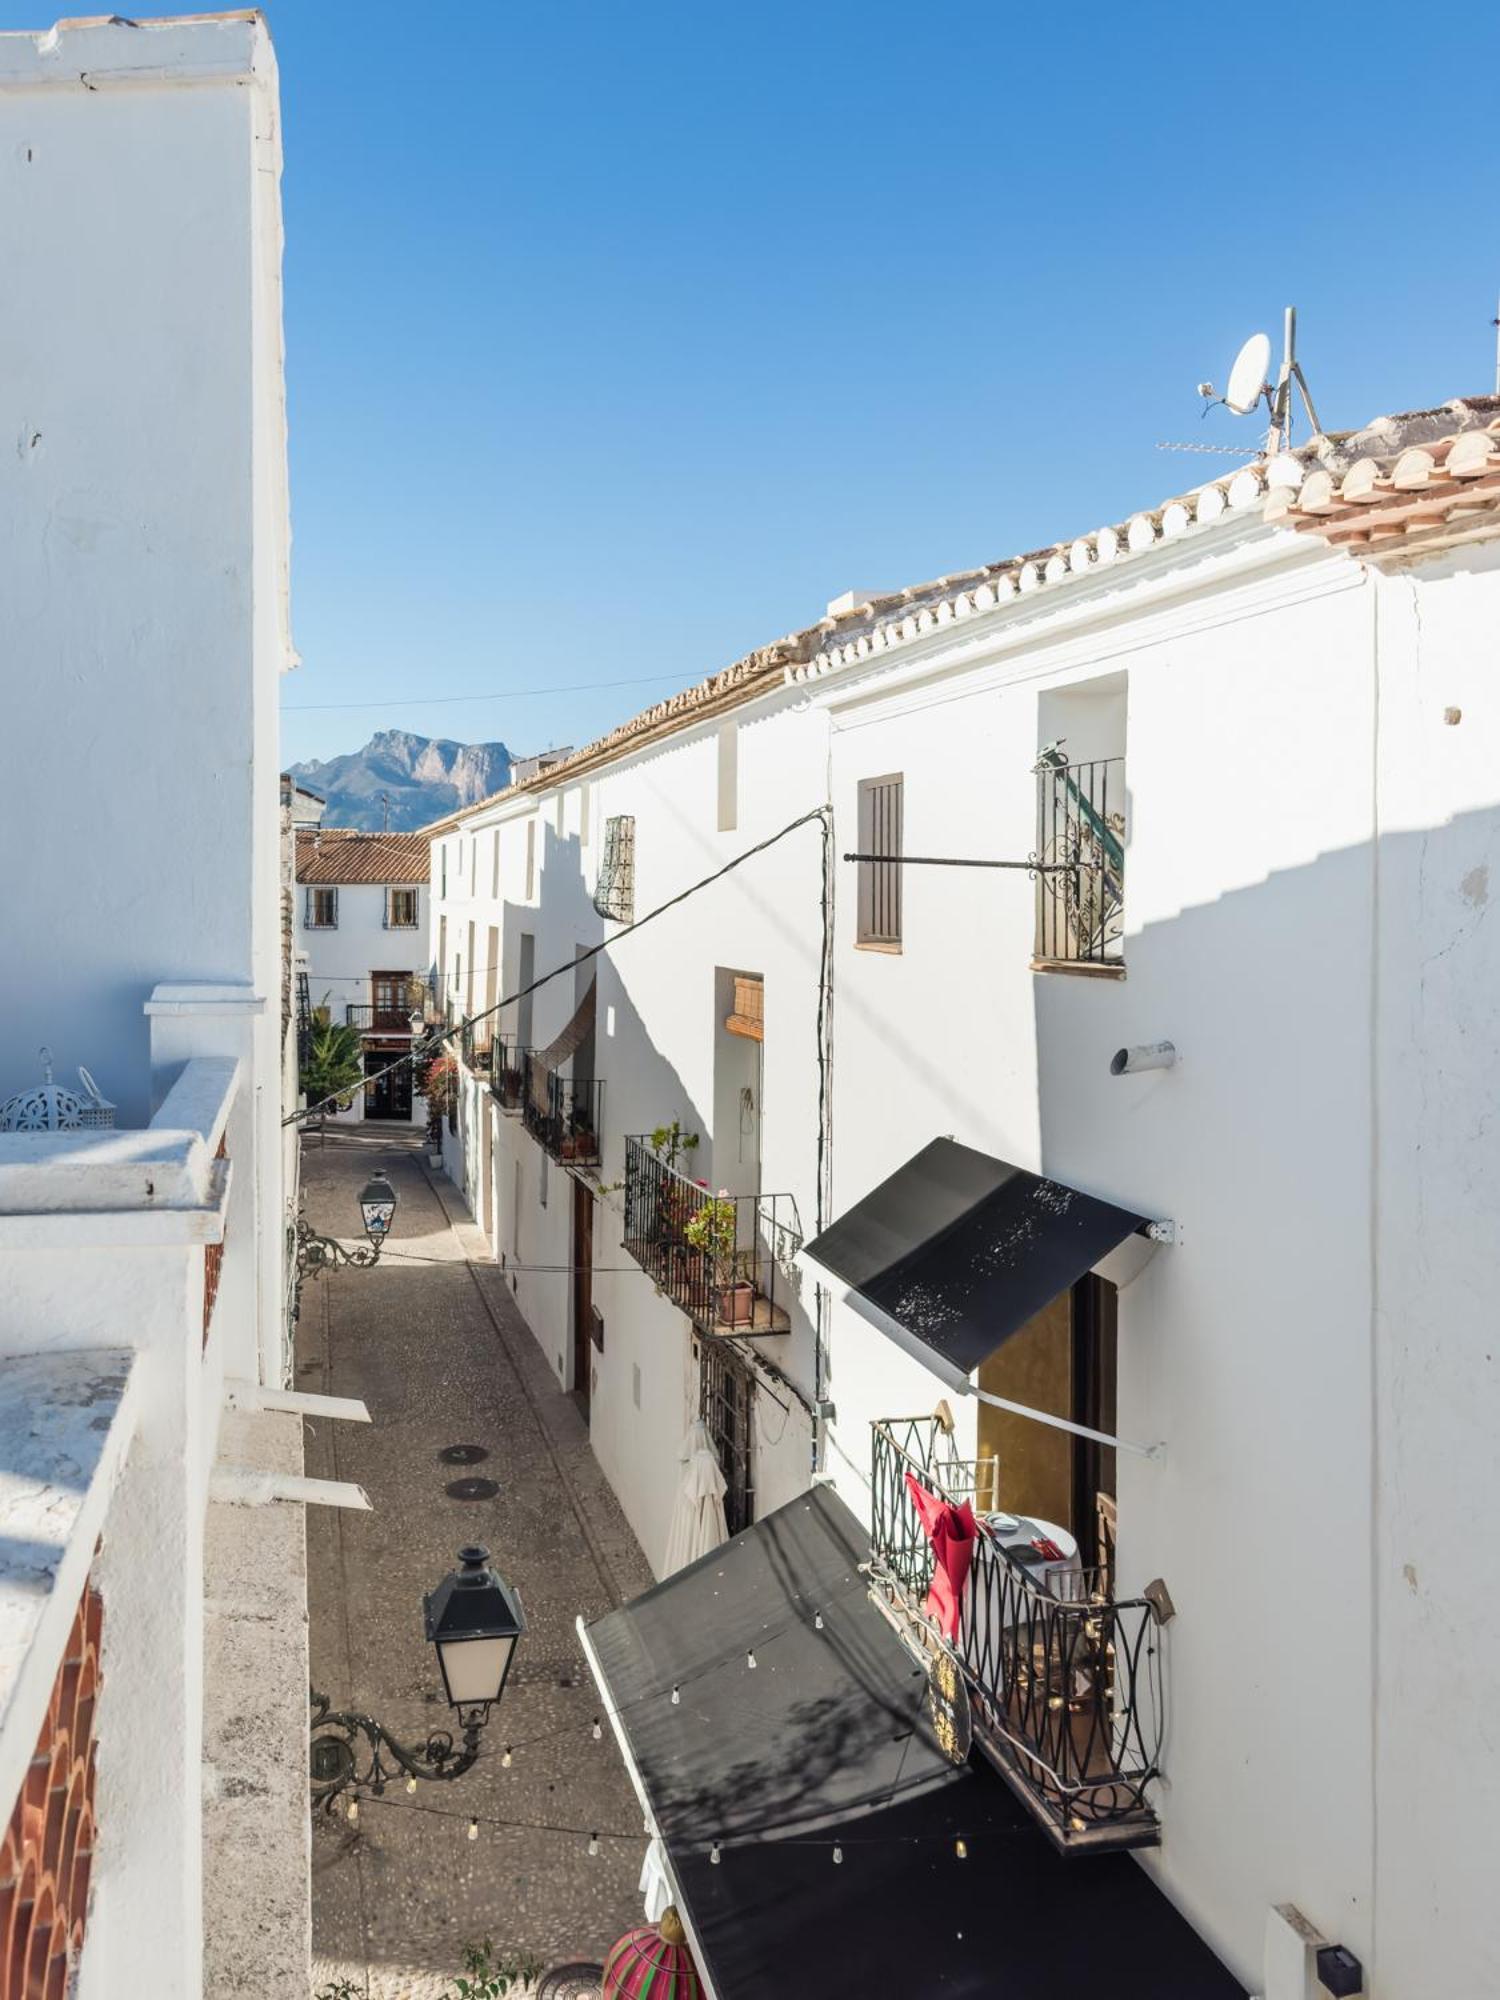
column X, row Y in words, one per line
column 435, row 1346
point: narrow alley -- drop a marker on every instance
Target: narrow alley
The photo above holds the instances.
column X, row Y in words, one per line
column 433, row 1344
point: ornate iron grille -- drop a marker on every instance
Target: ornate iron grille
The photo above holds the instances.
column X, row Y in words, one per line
column 304, row 1022
column 725, row 1259
column 614, row 892
column 562, row 1113
column 726, row 1403
column 1080, row 837
column 1064, row 1681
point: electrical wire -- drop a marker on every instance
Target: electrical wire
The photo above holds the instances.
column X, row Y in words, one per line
column 420, row 1052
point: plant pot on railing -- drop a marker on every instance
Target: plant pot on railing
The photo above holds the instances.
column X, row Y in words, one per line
column 735, row 1304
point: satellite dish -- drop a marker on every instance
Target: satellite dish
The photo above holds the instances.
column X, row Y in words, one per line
column 1250, row 376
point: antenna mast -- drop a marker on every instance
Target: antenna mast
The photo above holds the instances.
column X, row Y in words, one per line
column 1280, row 437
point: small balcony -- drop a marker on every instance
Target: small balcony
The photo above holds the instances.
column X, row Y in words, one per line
column 726, row 1260
column 562, row 1113
column 508, row 1062
column 372, row 1019
column 1063, row 1680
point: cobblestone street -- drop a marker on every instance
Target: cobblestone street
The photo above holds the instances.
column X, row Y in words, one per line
column 434, row 1345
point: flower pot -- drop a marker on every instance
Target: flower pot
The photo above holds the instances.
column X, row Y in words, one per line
column 736, row 1303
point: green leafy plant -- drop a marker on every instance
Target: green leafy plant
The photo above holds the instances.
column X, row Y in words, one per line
column 340, row 1989
column 489, row 1977
column 335, row 1065
column 670, row 1142
column 713, row 1229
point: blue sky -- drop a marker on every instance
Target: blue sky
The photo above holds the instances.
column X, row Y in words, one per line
column 622, row 337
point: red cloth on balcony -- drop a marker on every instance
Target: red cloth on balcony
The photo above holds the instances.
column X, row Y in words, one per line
column 952, row 1532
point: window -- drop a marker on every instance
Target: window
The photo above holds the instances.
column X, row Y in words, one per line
column 474, row 865
column 541, row 1183
column 526, row 972
column 614, row 893
column 530, row 859
column 443, row 851
column 495, row 869
column 1080, row 838
column 729, row 776
column 400, row 909
column 322, row 909
column 879, row 912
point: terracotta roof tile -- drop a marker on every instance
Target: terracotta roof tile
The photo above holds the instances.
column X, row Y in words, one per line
column 340, row 854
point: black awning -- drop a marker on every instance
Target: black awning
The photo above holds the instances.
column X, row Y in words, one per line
column 827, row 1737
column 956, row 1251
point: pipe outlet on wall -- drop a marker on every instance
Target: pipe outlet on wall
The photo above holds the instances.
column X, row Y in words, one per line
column 1146, row 1055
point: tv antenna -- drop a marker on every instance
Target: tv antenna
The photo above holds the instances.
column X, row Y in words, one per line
column 385, row 811
column 1250, row 383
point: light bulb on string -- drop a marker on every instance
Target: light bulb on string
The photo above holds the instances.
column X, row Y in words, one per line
column 961, row 1849
column 598, row 1730
column 473, row 1829
column 817, row 1621
column 505, row 1760
column 411, row 1784
column 353, row 1810
column 593, row 1843
column 838, row 1854
column 713, row 1854
column 676, row 1697
column 750, row 1659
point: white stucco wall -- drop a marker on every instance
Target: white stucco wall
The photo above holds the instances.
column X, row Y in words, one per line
column 1311, row 853
column 340, row 960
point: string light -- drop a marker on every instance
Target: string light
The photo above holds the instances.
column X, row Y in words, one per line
column 598, row 1729
column 676, row 1697
column 750, row 1659
column 817, row 1621
column 713, row 1854
column 961, row 1849
column 411, row 1784
column 593, row 1843
column 353, row 1810
column 505, row 1760
column 473, row 1829
column 838, row 1854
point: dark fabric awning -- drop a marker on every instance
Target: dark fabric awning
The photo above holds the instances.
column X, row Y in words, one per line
column 956, row 1251
column 550, row 1059
column 827, row 1737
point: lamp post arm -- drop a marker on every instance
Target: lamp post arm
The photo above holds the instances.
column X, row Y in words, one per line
column 351, row 1751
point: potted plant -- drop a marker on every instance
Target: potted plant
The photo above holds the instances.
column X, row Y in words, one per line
column 713, row 1232
column 437, row 1080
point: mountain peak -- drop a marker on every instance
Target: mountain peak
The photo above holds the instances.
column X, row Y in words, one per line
column 422, row 777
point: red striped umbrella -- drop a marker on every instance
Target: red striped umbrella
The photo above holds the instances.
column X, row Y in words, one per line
column 652, row 1963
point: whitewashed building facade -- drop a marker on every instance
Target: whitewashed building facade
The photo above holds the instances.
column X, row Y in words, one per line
column 152, row 1635
column 1250, row 739
column 361, row 931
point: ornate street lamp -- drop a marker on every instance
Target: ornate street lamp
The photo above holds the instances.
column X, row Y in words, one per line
column 377, row 1208
column 377, row 1205
column 474, row 1619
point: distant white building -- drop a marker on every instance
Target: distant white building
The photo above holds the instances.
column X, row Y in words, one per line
column 1135, row 1185
column 362, row 924
column 153, row 1721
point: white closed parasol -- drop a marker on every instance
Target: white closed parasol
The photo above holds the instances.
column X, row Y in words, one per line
column 698, row 1525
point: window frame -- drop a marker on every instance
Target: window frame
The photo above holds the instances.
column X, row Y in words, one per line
column 392, row 921
column 311, row 920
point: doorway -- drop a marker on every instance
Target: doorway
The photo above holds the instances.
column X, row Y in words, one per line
column 388, row 1000
column 583, row 1295
column 388, row 1095
column 1062, row 1361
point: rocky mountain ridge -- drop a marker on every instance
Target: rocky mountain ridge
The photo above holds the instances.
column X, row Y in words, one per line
column 422, row 778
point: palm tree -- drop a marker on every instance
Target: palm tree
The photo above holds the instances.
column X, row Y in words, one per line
column 335, row 1067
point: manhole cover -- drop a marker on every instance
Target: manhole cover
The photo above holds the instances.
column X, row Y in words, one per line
column 471, row 1489
column 571, row 1982
column 463, row 1454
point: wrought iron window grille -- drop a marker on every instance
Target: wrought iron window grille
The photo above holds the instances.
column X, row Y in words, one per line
column 1080, row 852
column 1064, row 1682
column 614, row 891
column 321, row 911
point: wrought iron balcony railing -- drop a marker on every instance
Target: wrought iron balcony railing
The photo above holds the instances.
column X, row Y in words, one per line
column 562, row 1113
column 379, row 1020
column 725, row 1259
column 1080, row 835
column 508, row 1072
column 1064, row 1681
